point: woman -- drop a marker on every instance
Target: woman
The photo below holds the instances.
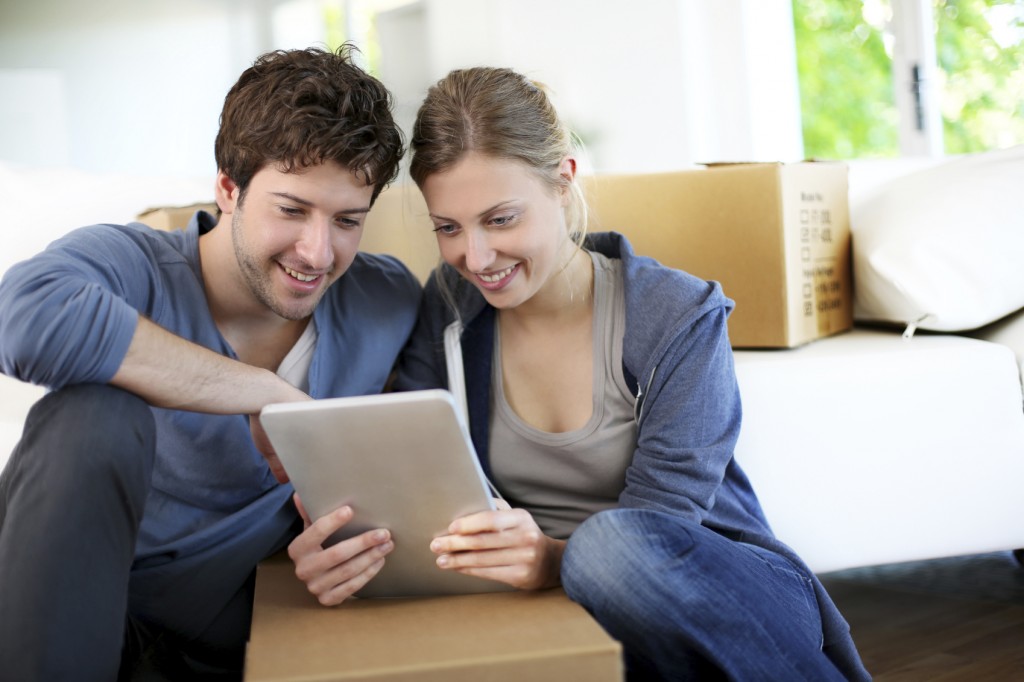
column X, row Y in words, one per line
column 603, row 404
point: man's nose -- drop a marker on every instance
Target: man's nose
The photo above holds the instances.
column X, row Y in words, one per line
column 314, row 245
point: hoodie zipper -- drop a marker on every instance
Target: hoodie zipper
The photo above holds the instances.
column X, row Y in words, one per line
column 638, row 406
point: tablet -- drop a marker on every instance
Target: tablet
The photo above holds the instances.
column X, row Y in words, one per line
column 402, row 461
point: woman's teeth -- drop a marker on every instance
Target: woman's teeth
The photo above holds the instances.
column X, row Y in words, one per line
column 497, row 277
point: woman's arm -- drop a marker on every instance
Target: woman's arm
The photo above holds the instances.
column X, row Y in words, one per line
column 689, row 423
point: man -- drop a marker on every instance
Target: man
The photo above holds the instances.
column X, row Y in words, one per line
column 136, row 506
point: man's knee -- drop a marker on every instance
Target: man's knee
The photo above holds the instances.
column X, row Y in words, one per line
column 91, row 429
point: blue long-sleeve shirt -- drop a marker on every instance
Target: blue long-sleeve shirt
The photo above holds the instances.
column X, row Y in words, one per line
column 68, row 315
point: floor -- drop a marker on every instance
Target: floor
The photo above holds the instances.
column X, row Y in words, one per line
column 949, row 619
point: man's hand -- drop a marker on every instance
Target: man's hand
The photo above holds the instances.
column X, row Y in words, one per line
column 263, row 444
column 504, row 545
column 334, row 574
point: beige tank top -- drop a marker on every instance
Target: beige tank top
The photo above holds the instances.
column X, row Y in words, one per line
column 562, row 478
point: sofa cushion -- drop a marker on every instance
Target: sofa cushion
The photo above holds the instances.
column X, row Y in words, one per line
column 1008, row 331
column 875, row 435
column 940, row 248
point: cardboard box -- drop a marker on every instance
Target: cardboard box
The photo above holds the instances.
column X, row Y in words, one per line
column 399, row 224
column 504, row 636
column 173, row 217
column 776, row 236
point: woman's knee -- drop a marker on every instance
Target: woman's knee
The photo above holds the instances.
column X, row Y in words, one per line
column 614, row 550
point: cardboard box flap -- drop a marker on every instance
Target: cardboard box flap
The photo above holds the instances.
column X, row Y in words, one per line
column 499, row 636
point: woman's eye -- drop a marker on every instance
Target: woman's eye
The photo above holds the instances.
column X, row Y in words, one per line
column 446, row 228
column 502, row 220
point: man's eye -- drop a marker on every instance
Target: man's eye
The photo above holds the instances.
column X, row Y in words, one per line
column 290, row 211
column 348, row 223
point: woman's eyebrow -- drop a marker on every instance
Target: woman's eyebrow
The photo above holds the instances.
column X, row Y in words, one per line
column 498, row 205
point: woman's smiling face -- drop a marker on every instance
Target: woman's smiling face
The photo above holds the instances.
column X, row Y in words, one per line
column 502, row 227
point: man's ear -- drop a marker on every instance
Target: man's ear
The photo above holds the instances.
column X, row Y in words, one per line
column 226, row 193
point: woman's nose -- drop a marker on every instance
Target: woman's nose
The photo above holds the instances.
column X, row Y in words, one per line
column 479, row 252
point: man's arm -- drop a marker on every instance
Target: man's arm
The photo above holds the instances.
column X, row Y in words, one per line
column 169, row 371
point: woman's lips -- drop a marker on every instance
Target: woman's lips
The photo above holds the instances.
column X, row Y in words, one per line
column 493, row 281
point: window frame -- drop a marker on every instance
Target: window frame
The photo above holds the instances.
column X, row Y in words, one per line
column 916, row 79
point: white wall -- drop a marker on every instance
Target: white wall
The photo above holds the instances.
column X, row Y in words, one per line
column 136, row 87
column 141, row 82
column 649, row 84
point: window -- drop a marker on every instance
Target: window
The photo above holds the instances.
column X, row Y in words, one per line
column 881, row 78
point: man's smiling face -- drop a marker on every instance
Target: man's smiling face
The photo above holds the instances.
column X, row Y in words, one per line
column 296, row 233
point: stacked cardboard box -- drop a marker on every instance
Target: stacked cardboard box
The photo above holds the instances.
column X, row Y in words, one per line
column 776, row 236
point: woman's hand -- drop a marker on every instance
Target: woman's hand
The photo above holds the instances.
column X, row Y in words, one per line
column 504, row 545
column 334, row 574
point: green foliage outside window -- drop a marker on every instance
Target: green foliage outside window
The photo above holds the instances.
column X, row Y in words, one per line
column 980, row 50
column 846, row 87
column 846, row 84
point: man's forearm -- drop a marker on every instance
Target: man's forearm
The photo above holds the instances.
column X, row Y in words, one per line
column 169, row 371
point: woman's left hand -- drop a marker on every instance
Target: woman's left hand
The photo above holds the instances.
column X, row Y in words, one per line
column 504, row 545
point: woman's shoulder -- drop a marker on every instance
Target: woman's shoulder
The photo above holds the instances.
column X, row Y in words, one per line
column 650, row 284
column 663, row 304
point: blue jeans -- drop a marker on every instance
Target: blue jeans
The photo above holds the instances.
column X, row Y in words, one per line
column 687, row 603
column 73, row 603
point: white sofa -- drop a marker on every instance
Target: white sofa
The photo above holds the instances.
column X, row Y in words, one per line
column 888, row 444
column 865, row 447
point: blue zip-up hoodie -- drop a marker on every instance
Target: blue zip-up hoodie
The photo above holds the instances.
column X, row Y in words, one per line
column 677, row 359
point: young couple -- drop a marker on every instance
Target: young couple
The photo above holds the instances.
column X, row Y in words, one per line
column 600, row 385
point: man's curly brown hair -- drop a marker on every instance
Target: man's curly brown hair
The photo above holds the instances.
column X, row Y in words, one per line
column 302, row 108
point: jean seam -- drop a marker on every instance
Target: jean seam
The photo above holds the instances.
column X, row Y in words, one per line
column 806, row 582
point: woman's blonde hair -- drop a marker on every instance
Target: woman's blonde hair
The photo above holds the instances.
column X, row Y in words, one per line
column 501, row 114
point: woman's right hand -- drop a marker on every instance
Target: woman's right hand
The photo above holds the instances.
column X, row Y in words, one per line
column 334, row 574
